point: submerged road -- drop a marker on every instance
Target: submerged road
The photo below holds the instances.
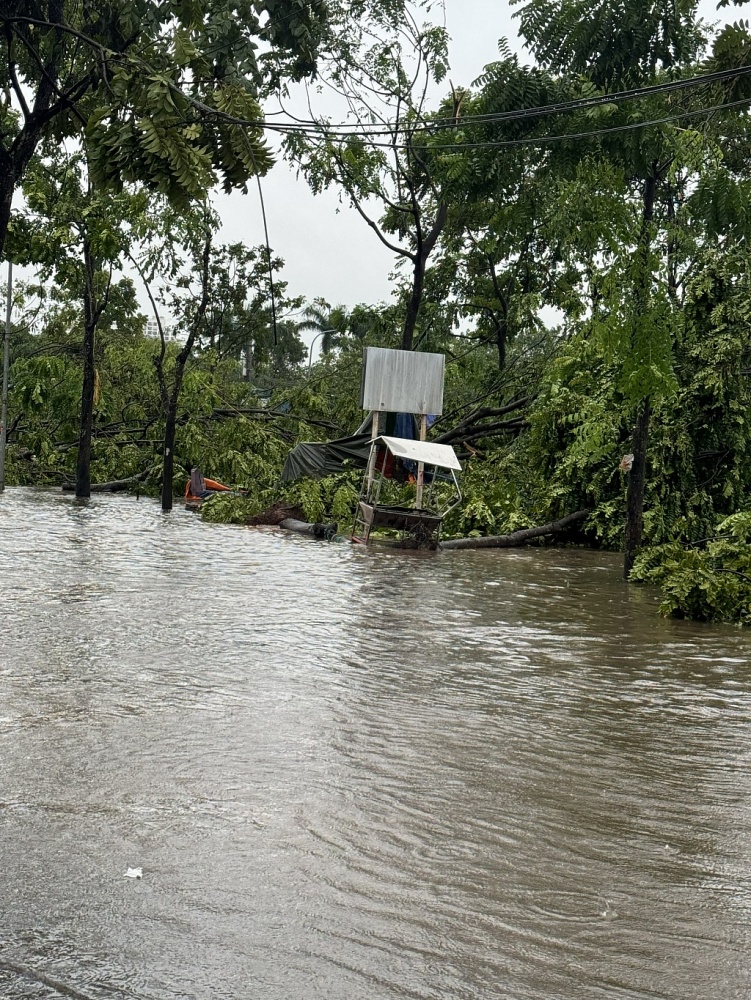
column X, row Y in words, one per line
column 358, row 775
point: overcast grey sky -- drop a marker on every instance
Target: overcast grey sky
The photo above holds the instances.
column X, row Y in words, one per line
column 328, row 249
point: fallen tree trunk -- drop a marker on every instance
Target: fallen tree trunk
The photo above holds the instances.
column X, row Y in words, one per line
column 490, row 430
column 115, row 486
column 516, row 538
column 326, row 531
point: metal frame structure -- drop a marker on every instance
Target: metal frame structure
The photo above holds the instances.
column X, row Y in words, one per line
column 421, row 523
column 404, row 382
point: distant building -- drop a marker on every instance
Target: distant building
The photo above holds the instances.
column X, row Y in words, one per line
column 152, row 330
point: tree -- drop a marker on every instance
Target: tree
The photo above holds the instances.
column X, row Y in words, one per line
column 160, row 90
column 383, row 73
column 330, row 323
column 218, row 298
column 502, row 253
column 240, row 321
column 76, row 233
column 180, row 246
column 646, row 41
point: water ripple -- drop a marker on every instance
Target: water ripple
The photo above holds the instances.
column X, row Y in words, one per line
column 358, row 774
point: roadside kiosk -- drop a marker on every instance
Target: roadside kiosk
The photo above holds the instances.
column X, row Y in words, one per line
column 407, row 384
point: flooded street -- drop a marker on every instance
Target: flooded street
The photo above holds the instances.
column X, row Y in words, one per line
column 358, row 775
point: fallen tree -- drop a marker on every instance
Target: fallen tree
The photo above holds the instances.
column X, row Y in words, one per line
column 513, row 540
column 473, row 427
column 516, row 538
column 114, row 486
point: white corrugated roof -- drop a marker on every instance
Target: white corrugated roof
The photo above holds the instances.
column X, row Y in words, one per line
column 428, row 452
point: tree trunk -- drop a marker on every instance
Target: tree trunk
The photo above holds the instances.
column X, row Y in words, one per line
column 413, row 306
column 170, row 400
column 83, row 461
column 516, row 538
column 637, row 476
column 114, row 485
column 425, row 245
column 501, row 337
column 7, row 186
column 636, row 483
column 16, row 156
column 168, row 467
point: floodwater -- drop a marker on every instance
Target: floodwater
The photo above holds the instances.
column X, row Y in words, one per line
column 358, row 775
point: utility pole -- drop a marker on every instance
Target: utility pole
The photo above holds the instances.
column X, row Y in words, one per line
column 6, row 366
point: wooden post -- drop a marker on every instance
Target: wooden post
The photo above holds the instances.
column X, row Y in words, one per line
column 420, row 465
column 375, row 432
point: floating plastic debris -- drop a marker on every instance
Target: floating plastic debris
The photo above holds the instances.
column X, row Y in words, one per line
column 134, row 873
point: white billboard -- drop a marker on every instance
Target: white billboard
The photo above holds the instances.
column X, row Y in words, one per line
column 402, row 381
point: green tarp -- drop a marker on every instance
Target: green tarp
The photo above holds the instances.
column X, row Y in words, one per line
column 323, row 458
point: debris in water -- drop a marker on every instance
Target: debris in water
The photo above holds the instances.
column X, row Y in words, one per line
column 274, row 515
column 134, row 873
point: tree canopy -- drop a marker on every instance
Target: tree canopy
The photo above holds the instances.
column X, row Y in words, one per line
column 162, row 90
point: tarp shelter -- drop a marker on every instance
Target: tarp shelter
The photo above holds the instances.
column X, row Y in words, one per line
column 324, row 458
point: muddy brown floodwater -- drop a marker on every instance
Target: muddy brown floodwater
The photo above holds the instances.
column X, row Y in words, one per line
column 358, row 775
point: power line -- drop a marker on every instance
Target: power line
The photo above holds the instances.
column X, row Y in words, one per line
column 536, row 140
column 562, row 107
column 363, row 129
column 500, row 143
column 311, row 126
column 317, row 129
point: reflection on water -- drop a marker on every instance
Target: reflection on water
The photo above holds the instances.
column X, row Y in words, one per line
column 358, row 775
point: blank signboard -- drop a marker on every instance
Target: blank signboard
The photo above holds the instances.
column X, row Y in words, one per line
column 402, row 381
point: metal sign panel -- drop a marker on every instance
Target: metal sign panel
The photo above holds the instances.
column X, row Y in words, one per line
column 402, row 381
column 427, row 452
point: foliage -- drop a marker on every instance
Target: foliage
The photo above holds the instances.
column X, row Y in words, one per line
column 129, row 422
column 158, row 88
column 642, row 36
column 238, row 320
column 382, row 68
column 324, row 501
column 708, row 584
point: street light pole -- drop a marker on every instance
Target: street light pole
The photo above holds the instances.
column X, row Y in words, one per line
column 310, row 353
column 6, row 366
